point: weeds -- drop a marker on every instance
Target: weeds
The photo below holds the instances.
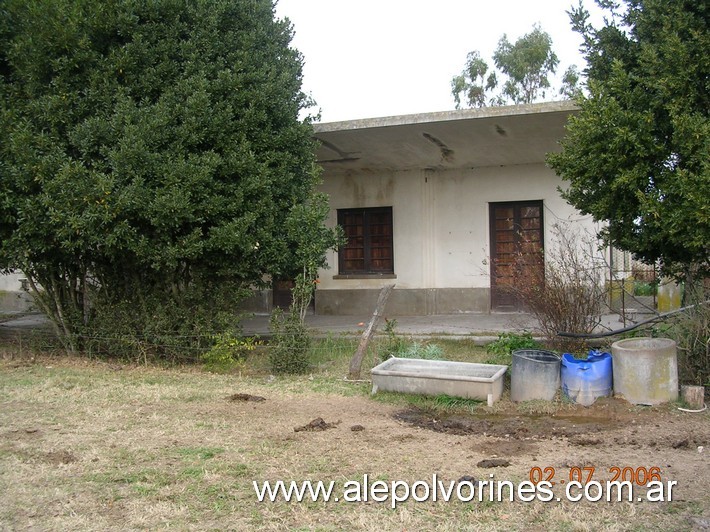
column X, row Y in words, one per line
column 393, row 344
column 228, row 352
column 434, row 404
column 691, row 331
column 423, row 351
column 501, row 349
column 288, row 352
column 396, row 346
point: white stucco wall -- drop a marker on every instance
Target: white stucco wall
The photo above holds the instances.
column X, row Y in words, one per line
column 441, row 219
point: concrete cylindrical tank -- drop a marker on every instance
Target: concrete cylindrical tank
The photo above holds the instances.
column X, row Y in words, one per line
column 645, row 370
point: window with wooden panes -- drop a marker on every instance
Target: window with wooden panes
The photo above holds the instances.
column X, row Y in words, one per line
column 369, row 248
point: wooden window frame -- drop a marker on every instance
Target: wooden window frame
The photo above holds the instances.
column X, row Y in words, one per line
column 367, row 270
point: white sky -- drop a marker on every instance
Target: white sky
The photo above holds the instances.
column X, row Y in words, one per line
column 375, row 58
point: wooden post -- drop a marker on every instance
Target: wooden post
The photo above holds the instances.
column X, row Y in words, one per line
column 694, row 396
column 356, row 361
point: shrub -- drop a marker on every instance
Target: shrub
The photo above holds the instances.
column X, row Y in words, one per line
column 288, row 354
column 502, row 348
column 173, row 329
column 568, row 295
column 228, row 351
column 141, row 177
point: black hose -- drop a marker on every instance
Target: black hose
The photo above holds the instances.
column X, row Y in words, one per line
column 632, row 327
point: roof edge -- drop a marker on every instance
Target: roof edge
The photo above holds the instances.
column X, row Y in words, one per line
column 447, row 116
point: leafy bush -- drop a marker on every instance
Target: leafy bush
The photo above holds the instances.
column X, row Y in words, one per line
column 173, row 328
column 288, row 353
column 643, row 288
column 502, row 348
column 509, row 342
column 228, row 351
column 140, row 186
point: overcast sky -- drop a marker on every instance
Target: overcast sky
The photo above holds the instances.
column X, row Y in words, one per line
column 374, row 58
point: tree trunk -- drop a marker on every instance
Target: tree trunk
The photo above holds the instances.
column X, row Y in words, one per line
column 356, row 361
column 46, row 308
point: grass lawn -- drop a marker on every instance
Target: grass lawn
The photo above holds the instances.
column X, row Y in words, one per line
column 99, row 445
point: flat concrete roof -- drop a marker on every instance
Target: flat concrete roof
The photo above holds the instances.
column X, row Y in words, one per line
column 468, row 138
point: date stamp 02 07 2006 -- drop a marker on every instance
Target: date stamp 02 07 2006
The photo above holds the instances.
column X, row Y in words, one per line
column 640, row 476
column 622, row 481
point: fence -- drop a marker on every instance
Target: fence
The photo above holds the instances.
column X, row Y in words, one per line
column 633, row 285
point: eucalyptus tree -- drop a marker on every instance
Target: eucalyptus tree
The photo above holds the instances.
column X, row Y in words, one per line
column 523, row 73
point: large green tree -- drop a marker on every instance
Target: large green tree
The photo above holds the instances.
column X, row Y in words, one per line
column 637, row 155
column 524, row 67
column 152, row 159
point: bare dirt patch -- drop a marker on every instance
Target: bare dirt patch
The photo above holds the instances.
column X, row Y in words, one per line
column 59, row 457
column 516, row 427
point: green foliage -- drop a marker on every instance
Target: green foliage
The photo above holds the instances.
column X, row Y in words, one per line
column 637, row 155
column 396, row 346
column 571, row 80
column 309, row 240
column 288, row 353
column 501, row 350
column 393, row 344
column 691, row 331
column 473, row 82
column 527, row 63
column 643, row 288
column 525, row 66
column 422, row 351
column 159, row 327
column 152, row 159
column 228, row 351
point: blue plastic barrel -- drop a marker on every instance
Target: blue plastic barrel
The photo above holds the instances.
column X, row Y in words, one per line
column 583, row 380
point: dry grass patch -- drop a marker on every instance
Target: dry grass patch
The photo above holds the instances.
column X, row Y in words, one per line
column 92, row 445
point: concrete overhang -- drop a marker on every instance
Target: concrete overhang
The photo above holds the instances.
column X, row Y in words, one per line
column 470, row 138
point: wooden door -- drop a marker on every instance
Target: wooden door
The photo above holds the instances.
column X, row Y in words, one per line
column 516, row 251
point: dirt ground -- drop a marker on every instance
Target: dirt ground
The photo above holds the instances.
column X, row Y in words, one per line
column 92, row 446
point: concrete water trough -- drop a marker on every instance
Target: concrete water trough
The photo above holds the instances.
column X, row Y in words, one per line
column 440, row 377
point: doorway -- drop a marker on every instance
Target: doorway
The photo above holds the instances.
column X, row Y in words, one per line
column 516, row 232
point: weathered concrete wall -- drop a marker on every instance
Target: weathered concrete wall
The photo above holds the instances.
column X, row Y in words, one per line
column 403, row 302
column 441, row 234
